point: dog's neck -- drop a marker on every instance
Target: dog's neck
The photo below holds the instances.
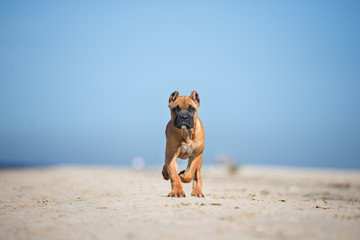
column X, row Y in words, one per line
column 187, row 134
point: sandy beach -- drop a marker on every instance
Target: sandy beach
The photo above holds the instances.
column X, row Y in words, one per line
column 114, row 203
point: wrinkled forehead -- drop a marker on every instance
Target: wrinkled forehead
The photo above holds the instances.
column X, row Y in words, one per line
column 183, row 102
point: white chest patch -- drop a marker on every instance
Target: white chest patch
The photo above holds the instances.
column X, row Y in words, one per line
column 187, row 148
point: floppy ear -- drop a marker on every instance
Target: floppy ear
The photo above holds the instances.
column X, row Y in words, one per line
column 195, row 97
column 173, row 97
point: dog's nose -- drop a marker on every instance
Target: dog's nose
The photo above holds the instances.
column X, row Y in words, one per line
column 184, row 117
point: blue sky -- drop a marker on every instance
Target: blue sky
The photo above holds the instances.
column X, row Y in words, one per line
column 88, row 82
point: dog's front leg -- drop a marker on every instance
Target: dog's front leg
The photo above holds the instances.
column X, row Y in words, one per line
column 172, row 169
column 192, row 172
column 187, row 175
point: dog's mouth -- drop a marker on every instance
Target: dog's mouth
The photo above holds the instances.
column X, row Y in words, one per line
column 184, row 127
column 183, row 123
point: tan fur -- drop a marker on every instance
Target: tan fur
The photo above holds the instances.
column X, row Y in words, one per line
column 184, row 144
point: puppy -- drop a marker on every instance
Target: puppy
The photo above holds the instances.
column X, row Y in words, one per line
column 185, row 139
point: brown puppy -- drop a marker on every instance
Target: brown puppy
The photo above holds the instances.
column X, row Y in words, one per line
column 185, row 138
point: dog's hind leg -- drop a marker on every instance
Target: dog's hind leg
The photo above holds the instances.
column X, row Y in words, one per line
column 165, row 173
column 197, row 184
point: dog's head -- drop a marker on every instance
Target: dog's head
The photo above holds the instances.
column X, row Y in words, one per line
column 184, row 109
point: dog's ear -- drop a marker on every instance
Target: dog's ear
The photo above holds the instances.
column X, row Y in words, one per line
column 173, row 97
column 195, row 97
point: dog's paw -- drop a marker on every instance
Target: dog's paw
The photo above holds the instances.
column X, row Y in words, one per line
column 177, row 193
column 165, row 173
column 197, row 193
column 184, row 178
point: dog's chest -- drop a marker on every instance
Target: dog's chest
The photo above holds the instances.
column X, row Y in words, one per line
column 187, row 148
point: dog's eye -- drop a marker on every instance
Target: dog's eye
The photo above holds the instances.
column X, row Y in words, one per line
column 191, row 109
column 176, row 109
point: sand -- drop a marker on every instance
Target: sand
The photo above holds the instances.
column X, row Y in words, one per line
column 113, row 203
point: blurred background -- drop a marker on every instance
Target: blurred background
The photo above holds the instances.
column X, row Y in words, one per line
column 88, row 82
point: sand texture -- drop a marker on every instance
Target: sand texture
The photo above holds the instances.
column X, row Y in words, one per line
column 112, row 203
